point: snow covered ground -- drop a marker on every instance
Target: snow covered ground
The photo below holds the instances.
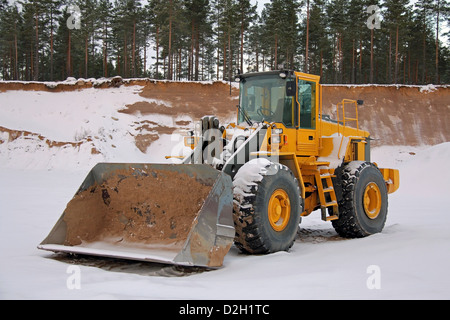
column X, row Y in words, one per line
column 409, row 260
column 411, row 254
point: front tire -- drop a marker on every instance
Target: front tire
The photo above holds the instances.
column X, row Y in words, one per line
column 363, row 208
column 267, row 207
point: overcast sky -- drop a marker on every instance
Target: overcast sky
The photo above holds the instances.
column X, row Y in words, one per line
column 260, row 3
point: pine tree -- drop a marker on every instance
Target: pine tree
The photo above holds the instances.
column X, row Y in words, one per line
column 127, row 14
column 247, row 15
column 281, row 29
column 320, row 52
column 337, row 11
column 157, row 17
column 53, row 13
column 197, row 13
column 62, row 48
column 396, row 20
column 423, row 12
column 356, row 34
column 442, row 11
column 255, row 46
column 105, row 20
column 9, row 30
column 228, row 31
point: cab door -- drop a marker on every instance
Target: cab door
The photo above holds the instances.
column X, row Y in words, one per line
column 307, row 99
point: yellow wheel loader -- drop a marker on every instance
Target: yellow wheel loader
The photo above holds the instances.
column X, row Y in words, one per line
column 248, row 182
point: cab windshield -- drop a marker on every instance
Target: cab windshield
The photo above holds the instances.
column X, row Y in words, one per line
column 264, row 98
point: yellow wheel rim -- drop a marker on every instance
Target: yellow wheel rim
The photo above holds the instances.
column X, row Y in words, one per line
column 279, row 210
column 372, row 200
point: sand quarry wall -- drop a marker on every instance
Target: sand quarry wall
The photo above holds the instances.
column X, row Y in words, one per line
column 394, row 115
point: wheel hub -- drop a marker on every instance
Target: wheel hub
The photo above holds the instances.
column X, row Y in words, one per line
column 372, row 200
column 279, row 210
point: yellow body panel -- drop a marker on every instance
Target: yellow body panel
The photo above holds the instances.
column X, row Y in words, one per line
column 392, row 178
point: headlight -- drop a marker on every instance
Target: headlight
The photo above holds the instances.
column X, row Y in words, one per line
column 190, row 141
column 276, row 139
column 277, row 131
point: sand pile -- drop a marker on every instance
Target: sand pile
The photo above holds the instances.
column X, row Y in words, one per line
column 156, row 207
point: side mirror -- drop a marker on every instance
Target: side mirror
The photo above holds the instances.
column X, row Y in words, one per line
column 290, row 88
column 360, row 102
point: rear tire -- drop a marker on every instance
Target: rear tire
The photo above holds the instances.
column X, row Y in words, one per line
column 267, row 208
column 363, row 208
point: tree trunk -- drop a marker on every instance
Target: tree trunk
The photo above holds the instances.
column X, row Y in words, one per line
column 229, row 55
column 36, row 63
column 179, row 64
column 257, row 60
column 16, row 69
column 307, row 38
column 105, row 52
column 69, row 58
column 51, row 44
column 417, row 72
column 191, row 55
column 145, row 56
column 404, row 70
column 242, row 44
column 424, row 59
column 86, row 57
column 224, row 75
column 31, row 63
column 353, row 62
column 409, row 67
column 321, row 63
column 197, row 53
column 133, row 54
column 341, row 59
column 390, row 59
column 396, row 57
column 125, row 56
column 157, row 53
column 263, row 63
column 169, row 72
column 275, row 67
column 371, row 56
column 437, row 80
column 218, row 63
column 360, row 63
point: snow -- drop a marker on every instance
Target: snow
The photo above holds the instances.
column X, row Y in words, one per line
column 89, row 117
column 428, row 88
column 422, row 88
column 338, row 152
column 247, row 176
column 320, row 265
column 251, row 172
column 73, row 116
column 409, row 259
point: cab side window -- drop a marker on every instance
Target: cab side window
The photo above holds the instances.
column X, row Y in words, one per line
column 307, row 100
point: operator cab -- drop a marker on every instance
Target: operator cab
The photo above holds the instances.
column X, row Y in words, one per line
column 284, row 97
column 267, row 96
column 273, row 97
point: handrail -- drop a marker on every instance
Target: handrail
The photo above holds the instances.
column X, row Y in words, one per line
column 345, row 119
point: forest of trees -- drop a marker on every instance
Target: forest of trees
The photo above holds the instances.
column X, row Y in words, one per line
column 343, row 41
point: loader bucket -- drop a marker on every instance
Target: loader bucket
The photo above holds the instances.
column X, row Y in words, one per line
column 167, row 213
